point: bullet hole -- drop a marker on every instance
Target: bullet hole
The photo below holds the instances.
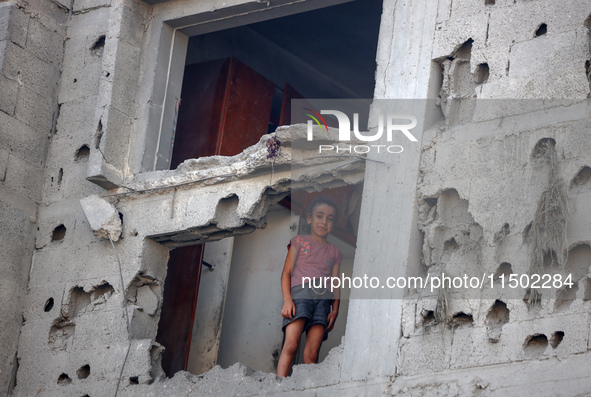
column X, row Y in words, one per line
column 504, row 270
column 134, row 380
column 535, row 344
column 64, row 379
column 121, row 217
column 428, row 317
column 98, row 135
column 78, row 301
column 108, row 74
column 462, row 319
column 83, row 372
column 542, row 30
column 82, row 153
column 58, row 233
column 450, row 245
column 86, row 395
column 582, row 177
column 101, row 290
column 60, row 176
column 489, row 2
column 97, row 47
column 75, row 80
column 543, row 147
column 431, row 201
column 498, row 315
column 481, row 73
column 556, row 339
column 48, row 305
column 60, row 333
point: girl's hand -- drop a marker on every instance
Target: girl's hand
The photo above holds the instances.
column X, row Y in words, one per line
column 288, row 310
column 332, row 317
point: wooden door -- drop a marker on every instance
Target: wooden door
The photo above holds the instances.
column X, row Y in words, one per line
column 225, row 108
column 178, row 307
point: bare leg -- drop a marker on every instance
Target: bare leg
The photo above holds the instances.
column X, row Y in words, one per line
column 293, row 334
column 313, row 343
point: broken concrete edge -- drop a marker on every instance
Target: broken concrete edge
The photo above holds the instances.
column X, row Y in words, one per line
column 296, row 153
column 102, row 217
column 246, row 381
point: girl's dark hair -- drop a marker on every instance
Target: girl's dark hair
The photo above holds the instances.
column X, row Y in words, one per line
column 322, row 200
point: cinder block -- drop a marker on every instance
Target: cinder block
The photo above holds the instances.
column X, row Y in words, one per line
column 430, row 352
column 36, row 111
column 119, row 128
column 22, row 141
column 45, row 44
column 24, row 178
column 13, row 24
column 8, row 98
column 37, row 75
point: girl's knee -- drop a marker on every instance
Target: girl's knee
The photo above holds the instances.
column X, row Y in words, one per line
column 310, row 356
column 290, row 347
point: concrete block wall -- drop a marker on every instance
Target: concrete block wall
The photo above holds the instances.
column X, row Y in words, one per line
column 76, row 117
column 31, row 51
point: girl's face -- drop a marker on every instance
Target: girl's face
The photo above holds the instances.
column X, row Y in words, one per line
column 322, row 220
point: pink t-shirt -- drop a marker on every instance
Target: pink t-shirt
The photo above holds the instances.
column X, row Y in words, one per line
column 315, row 259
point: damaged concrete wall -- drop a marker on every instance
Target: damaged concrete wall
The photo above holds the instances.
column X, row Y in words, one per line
column 462, row 201
column 31, row 51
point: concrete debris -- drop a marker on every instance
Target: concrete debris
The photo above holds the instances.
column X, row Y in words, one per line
column 102, row 216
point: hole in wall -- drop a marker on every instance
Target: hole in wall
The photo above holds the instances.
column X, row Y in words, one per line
column 58, row 233
column 481, row 73
column 98, row 45
column 462, row 319
column 504, row 270
column 60, row 176
column 428, row 317
column 450, row 245
column 134, row 380
column 543, row 147
column 498, row 315
column 535, row 344
column 64, row 379
column 79, row 299
column 83, row 372
column 48, row 305
column 465, row 50
column 556, row 339
column 60, row 333
column 98, row 135
column 82, row 153
column 565, row 296
column 582, row 177
column 542, row 30
column 502, row 234
column 587, row 291
column 108, row 74
column 75, row 80
column 587, row 22
column 489, row 2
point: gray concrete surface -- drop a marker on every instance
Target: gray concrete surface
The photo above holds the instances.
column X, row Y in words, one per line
column 83, row 92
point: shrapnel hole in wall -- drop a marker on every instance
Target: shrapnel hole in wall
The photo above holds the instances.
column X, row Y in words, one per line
column 504, row 270
column 98, row 45
column 462, row 319
column 58, row 233
column 582, row 177
column 481, row 73
column 64, row 379
column 48, row 305
column 542, row 30
column 83, row 372
column 134, row 380
column 489, row 2
column 556, row 339
column 82, row 153
column 535, row 344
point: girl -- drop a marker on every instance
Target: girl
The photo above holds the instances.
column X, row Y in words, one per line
column 305, row 307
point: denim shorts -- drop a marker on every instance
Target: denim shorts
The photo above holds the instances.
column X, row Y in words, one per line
column 312, row 307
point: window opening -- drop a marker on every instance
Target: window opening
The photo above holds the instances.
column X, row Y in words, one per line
column 238, row 82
